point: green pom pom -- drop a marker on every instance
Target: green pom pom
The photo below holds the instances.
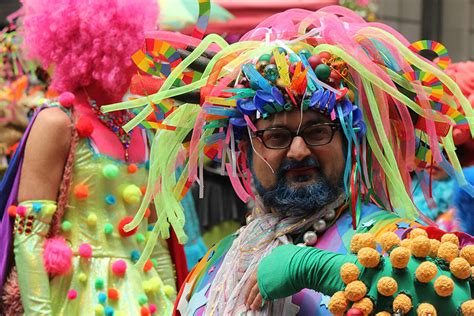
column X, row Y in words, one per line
column 108, row 228
column 99, row 283
column 140, row 238
column 322, row 72
column 66, row 226
column 142, row 299
column 305, row 52
column 110, row 171
column 265, row 57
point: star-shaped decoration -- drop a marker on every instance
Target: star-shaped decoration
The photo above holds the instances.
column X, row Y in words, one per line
column 403, row 225
column 369, row 224
column 324, row 301
column 197, row 301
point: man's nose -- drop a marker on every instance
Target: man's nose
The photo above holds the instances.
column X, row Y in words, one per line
column 298, row 149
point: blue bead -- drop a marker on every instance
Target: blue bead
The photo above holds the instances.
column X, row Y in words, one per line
column 147, row 164
column 110, row 199
column 135, row 255
column 109, row 311
column 102, row 298
column 37, row 207
column 150, row 227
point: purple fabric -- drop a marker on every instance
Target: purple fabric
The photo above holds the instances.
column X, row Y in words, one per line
column 8, row 196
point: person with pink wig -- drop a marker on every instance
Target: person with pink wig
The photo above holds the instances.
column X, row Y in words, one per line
column 77, row 177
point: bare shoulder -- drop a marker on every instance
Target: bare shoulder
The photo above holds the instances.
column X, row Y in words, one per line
column 53, row 118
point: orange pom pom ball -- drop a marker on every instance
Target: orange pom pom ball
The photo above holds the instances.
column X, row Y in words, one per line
column 387, row 286
column 365, row 305
column 132, row 168
column 355, row 291
column 434, row 248
column 399, row 257
column 389, row 240
column 338, row 303
column 444, row 286
column 418, row 232
column 368, row 257
column 426, row 272
column 426, row 309
column 467, row 308
column 406, row 243
column 84, row 127
column 113, row 294
column 460, row 268
column 420, row 246
column 360, row 241
column 402, row 303
column 467, row 252
column 349, row 272
column 148, row 265
column 448, row 251
column 81, row 191
column 450, row 238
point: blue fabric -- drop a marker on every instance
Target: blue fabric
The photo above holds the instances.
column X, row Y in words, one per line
column 442, row 195
column 464, row 204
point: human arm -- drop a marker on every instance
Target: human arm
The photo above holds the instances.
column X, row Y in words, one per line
column 46, row 152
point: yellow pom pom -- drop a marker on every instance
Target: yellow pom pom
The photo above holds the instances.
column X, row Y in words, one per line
column 399, row 257
column 146, row 287
column 467, row 253
column 434, row 246
column 387, row 286
column 448, row 251
column 420, row 246
column 383, row 314
column 467, row 308
column 50, row 209
column 402, row 303
column 450, row 238
column 389, row 240
column 99, row 309
column 444, row 286
column 92, row 219
column 406, row 243
column 355, row 291
column 338, row 303
column 132, row 194
column 169, row 290
column 349, row 272
column 365, row 305
column 82, row 277
column 426, row 272
column 460, row 268
column 368, row 257
column 418, row 232
column 425, row 309
column 155, row 284
column 360, row 241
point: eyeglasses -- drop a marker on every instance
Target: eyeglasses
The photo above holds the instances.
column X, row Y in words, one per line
column 313, row 135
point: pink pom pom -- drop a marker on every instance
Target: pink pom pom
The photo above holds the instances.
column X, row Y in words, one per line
column 119, row 267
column 66, row 99
column 152, row 308
column 57, row 256
column 85, row 251
column 71, row 294
column 21, row 210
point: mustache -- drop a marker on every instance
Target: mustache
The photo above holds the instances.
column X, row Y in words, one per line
column 308, row 162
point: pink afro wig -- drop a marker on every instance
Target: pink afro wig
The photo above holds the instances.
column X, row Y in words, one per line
column 87, row 41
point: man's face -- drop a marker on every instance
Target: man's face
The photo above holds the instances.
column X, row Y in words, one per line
column 310, row 175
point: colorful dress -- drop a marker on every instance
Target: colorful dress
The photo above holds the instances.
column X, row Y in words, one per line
column 105, row 192
column 307, row 302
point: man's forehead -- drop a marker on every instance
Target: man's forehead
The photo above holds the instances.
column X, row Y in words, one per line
column 292, row 119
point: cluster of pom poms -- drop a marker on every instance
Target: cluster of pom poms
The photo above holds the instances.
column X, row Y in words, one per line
column 400, row 251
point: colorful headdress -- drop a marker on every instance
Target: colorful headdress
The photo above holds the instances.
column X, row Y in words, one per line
column 396, row 108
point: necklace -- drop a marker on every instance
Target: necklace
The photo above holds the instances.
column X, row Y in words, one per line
column 114, row 122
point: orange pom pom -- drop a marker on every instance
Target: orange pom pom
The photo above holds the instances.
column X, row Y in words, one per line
column 147, row 213
column 12, row 210
column 425, row 309
column 460, row 268
column 399, row 257
column 403, row 303
column 383, row 314
column 444, row 286
column 389, row 240
column 426, row 272
column 434, row 246
column 387, row 286
column 467, row 308
column 355, row 291
column 360, row 241
column 420, row 246
column 418, row 232
column 368, row 257
column 132, row 168
column 81, row 191
column 338, row 303
column 406, row 243
column 143, row 189
column 448, row 251
column 148, row 265
column 467, row 252
column 113, row 294
column 450, row 238
column 144, row 311
column 365, row 305
column 349, row 272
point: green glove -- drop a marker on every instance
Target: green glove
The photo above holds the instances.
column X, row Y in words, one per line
column 289, row 269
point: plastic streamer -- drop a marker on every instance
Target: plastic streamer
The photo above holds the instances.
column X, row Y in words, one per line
column 203, row 18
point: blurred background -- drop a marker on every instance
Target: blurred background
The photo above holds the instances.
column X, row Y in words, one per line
column 450, row 22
